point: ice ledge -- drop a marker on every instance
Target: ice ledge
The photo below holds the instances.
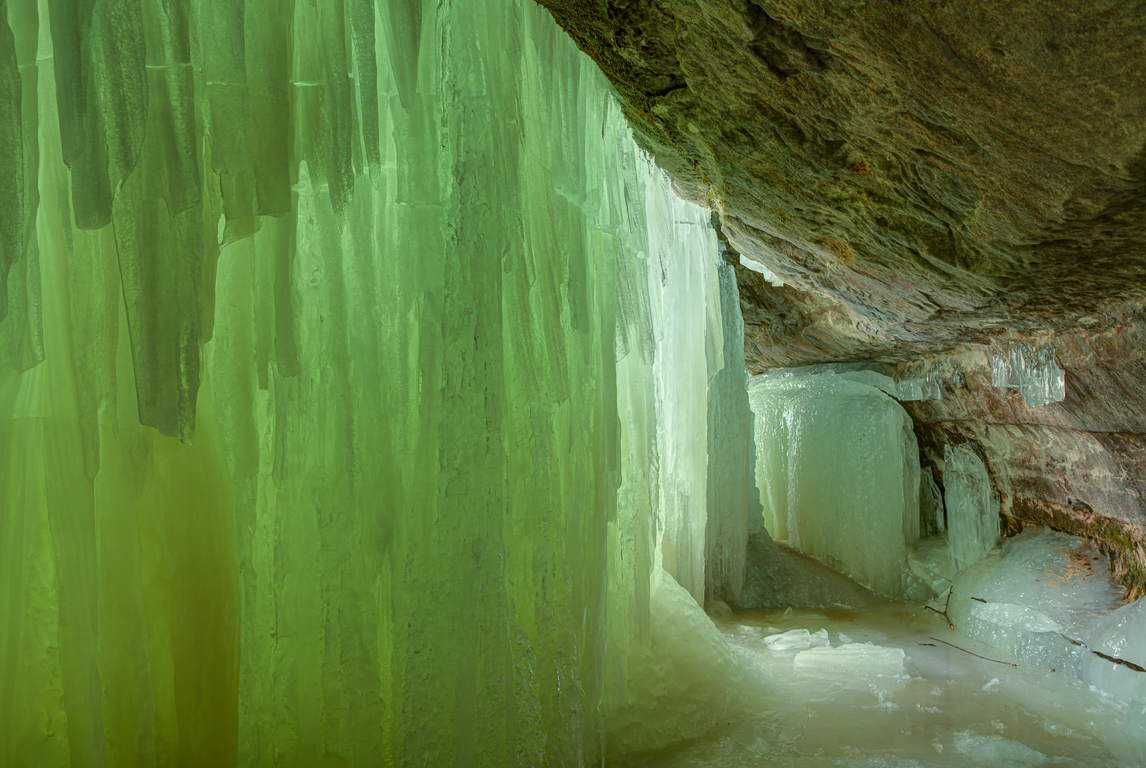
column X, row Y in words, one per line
column 929, row 385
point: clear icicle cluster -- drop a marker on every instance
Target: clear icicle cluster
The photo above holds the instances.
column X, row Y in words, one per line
column 1033, row 370
column 928, row 386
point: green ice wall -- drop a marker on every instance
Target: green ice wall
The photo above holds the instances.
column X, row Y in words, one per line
column 311, row 432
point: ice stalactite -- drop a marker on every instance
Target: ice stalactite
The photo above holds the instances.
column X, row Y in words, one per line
column 927, row 386
column 773, row 279
column 1033, row 370
column 357, row 377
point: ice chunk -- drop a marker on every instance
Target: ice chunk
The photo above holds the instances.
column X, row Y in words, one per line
column 972, row 508
column 1037, row 597
column 996, row 751
column 1120, row 635
column 797, row 639
column 860, row 659
column 1033, row 370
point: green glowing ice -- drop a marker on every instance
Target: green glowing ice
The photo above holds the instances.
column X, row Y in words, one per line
column 354, row 375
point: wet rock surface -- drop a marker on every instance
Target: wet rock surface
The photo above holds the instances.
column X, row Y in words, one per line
column 927, row 179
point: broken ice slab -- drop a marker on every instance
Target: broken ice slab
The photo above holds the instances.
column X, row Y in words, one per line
column 1118, row 645
column 857, row 659
column 797, row 640
column 1033, row 370
column 1039, row 597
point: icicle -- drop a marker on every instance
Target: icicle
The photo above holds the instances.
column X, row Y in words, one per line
column 1033, row 370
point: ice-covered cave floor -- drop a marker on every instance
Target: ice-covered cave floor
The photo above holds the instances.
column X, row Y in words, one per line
column 862, row 707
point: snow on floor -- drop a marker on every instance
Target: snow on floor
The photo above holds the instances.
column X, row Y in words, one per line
column 890, row 688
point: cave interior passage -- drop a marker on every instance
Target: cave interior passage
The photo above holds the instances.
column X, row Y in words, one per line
column 369, row 397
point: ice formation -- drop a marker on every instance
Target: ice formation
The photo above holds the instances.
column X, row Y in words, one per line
column 756, row 266
column 928, row 386
column 357, row 374
column 1033, row 370
column 838, row 471
column 733, row 500
column 1038, row 597
column 972, row 509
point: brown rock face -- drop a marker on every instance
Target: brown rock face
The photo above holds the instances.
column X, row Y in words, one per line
column 924, row 177
column 1076, row 465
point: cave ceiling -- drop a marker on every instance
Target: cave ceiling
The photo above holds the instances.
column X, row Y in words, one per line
column 919, row 174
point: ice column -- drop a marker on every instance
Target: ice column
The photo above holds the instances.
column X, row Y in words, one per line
column 838, row 471
column 972, row 508
column 732, row 495
column 682, row 247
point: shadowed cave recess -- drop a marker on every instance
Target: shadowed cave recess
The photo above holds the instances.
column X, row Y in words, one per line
column 638, row 383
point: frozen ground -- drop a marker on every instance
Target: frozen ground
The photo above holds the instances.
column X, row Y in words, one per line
column 907, row 699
